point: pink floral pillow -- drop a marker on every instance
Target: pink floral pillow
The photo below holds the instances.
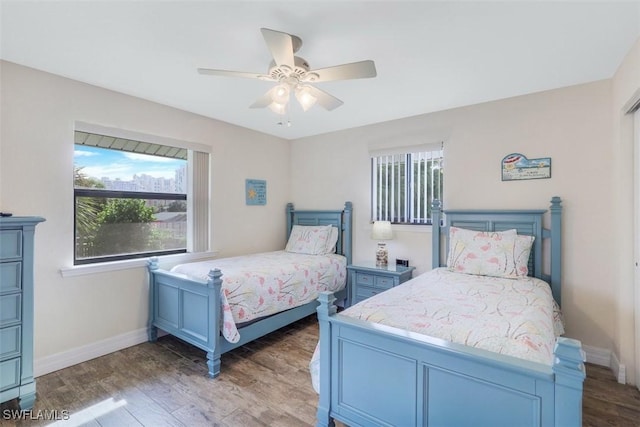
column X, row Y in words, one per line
column 485, row 253
column 309, row 239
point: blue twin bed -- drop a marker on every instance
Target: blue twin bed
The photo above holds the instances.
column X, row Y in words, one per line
column 372, row 374
column 192, row 308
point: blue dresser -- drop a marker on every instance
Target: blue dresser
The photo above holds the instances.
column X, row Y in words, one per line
column 16, row 309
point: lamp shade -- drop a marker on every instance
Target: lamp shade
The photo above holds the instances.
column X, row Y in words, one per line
column 381, row 230
column 305, row 98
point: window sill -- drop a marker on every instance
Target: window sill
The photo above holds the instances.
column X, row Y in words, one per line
column 414, row 228
column 102, row 267
column 417, row 228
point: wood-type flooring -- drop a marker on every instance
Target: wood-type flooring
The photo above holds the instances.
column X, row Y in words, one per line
column 264, row 383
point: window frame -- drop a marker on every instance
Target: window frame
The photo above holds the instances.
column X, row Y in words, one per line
column 197, row 196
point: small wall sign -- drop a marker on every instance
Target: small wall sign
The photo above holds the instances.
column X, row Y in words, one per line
column 516, row 166
column 256, row 191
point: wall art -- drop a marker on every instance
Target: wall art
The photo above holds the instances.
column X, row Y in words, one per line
column 256, row 192
column 516, row 166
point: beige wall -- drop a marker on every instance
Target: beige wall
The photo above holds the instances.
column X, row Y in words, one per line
column 36, row 178
column 572, row 125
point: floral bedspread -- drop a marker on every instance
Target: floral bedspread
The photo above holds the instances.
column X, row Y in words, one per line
column 516, row 317
column 258, row 285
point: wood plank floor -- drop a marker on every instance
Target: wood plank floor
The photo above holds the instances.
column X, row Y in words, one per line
column 265, row 383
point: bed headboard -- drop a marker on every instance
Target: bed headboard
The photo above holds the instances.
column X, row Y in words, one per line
column 527, row 222
column 342, row 219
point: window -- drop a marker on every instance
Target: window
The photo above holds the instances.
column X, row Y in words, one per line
column 135, row 199
column 404, row 184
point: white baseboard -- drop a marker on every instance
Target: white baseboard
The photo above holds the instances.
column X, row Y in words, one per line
column 598, row 356
column 619, row 369
column 81, row 354
column 604, row 357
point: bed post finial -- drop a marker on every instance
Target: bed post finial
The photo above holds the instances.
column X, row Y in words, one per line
column 569, row 370
column 556, row 248
column 436, row 206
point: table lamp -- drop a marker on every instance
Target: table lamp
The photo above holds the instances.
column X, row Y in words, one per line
column 382, row 231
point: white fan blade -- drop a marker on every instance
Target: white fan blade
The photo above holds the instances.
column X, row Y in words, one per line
column 326, row 101
column 355, row 70
column 263, row 101
column 281, row 46
column 227, row 73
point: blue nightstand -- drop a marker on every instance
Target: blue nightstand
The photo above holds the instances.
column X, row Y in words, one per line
column 368, row 279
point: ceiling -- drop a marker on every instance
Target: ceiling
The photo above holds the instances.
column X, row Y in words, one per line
column 429, row 55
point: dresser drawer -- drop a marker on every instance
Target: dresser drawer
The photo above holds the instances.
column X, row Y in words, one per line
column 10, row 340
column 10, row 244
column 9, row 373
column 10, row 277
column 10, row 309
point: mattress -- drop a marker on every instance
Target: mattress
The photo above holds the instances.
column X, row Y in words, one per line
column 258, row 285
column 515, row 317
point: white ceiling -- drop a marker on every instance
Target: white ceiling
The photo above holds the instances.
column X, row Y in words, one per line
column 429, row 55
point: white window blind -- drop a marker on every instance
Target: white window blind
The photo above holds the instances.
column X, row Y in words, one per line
column 405, row 183
column 198, row 212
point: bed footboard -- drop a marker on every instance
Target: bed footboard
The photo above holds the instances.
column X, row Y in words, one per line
column 376, row 375
column 187, row 309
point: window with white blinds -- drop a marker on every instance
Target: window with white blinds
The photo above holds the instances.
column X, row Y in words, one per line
column 403, row 185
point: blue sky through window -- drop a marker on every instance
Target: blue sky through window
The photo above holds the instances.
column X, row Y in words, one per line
column 99, row 162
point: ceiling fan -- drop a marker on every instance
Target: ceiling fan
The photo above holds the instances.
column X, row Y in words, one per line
column 293, row 75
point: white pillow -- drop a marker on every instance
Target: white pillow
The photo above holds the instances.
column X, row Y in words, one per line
column 332, row 241
column 521, row 251
column 308, row 239
column 485, row 253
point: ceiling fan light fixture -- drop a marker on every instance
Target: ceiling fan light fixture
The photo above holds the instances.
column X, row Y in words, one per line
column 305, row 98
column 292, row 73
column 280, row 94
column 278, row 108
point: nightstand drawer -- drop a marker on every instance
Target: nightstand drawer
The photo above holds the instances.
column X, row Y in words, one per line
column 10, row 244
column 365, row 279
column 364, row 292
column 9, row 373
column 384, row 282
column 10, row 342
column 10, row 277
column 10, row 309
